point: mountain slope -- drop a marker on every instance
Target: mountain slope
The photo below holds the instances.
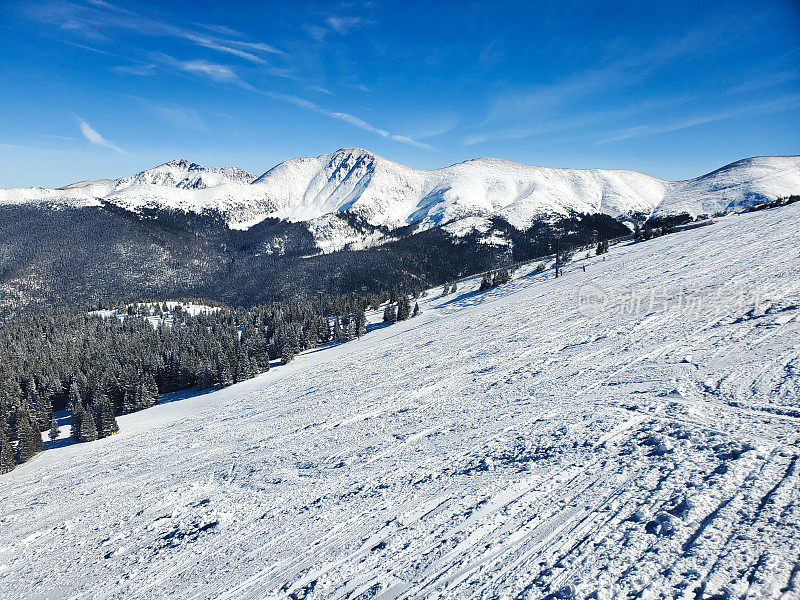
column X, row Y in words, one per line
column 482, row 449
column 742, row 183
column 385, row 193
column 181, row 173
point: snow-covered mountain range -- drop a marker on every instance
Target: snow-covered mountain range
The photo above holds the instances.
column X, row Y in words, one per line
column 385, row 193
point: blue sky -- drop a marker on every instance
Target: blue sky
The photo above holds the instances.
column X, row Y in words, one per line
column 99, row 89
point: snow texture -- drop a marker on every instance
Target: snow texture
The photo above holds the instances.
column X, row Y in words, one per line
column 627, row 431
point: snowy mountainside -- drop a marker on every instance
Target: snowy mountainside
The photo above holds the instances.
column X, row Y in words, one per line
column 506, row 444
column 742, row 183
column 388, row 194
column 97, row 188
column 181, row 173
column 334, row 232
column 77, row 195
column 385, row 193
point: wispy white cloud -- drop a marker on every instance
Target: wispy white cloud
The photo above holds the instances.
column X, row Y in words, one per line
column 766, row 80
column 644, row 130
column 227, row 75
column 578, row 120
column 320, row 89
column 99, row 15
column 316, row 32
column 432, row 125
column 410, row 141
column 357, row 122
column 207, row 42
column 221, row 29
column 89, row 48
column 216, row 72
column 545, row 98
column 110, row 6
column 145, row 70
column 59, row 137
column 345, row 117
column 342, row 25
column 491, row 54
column 260, row 46
column 94, row 137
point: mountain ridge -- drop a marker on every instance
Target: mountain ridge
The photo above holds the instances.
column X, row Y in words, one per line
column 389, row 194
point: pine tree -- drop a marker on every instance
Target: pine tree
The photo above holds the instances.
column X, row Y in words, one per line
column 128, row 401
column 337, row 330
column 55, row 431
column 243, row 368
column 416, row 309
column 360, row 321
column 260, row 355
column 149, row 391
column 88, row 428
column 323, row 330
column 103, row 412
column 224, row 375
column 445, row 289
column 389, row 314
column 76, row 411
column 348, row 331
column 44, row 411
column 42, row 408
column 403, row 308
column 205, row 377
column 290, row 346
column 6, row 452
column 30, row 438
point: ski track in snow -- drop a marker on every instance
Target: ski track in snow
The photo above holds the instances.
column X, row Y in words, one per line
column 499, row 445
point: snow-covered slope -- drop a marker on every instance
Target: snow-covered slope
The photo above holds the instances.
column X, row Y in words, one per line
column 745, row 182
column 630, row 431
column 186, row 175
column 153, row 188
column 85, row 193
column 386, row 193
column 389, row 194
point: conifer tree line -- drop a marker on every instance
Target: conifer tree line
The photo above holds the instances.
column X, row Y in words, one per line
column 98, row 367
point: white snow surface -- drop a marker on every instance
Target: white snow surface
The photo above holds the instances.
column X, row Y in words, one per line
column 499, row 445
column 390, row 194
